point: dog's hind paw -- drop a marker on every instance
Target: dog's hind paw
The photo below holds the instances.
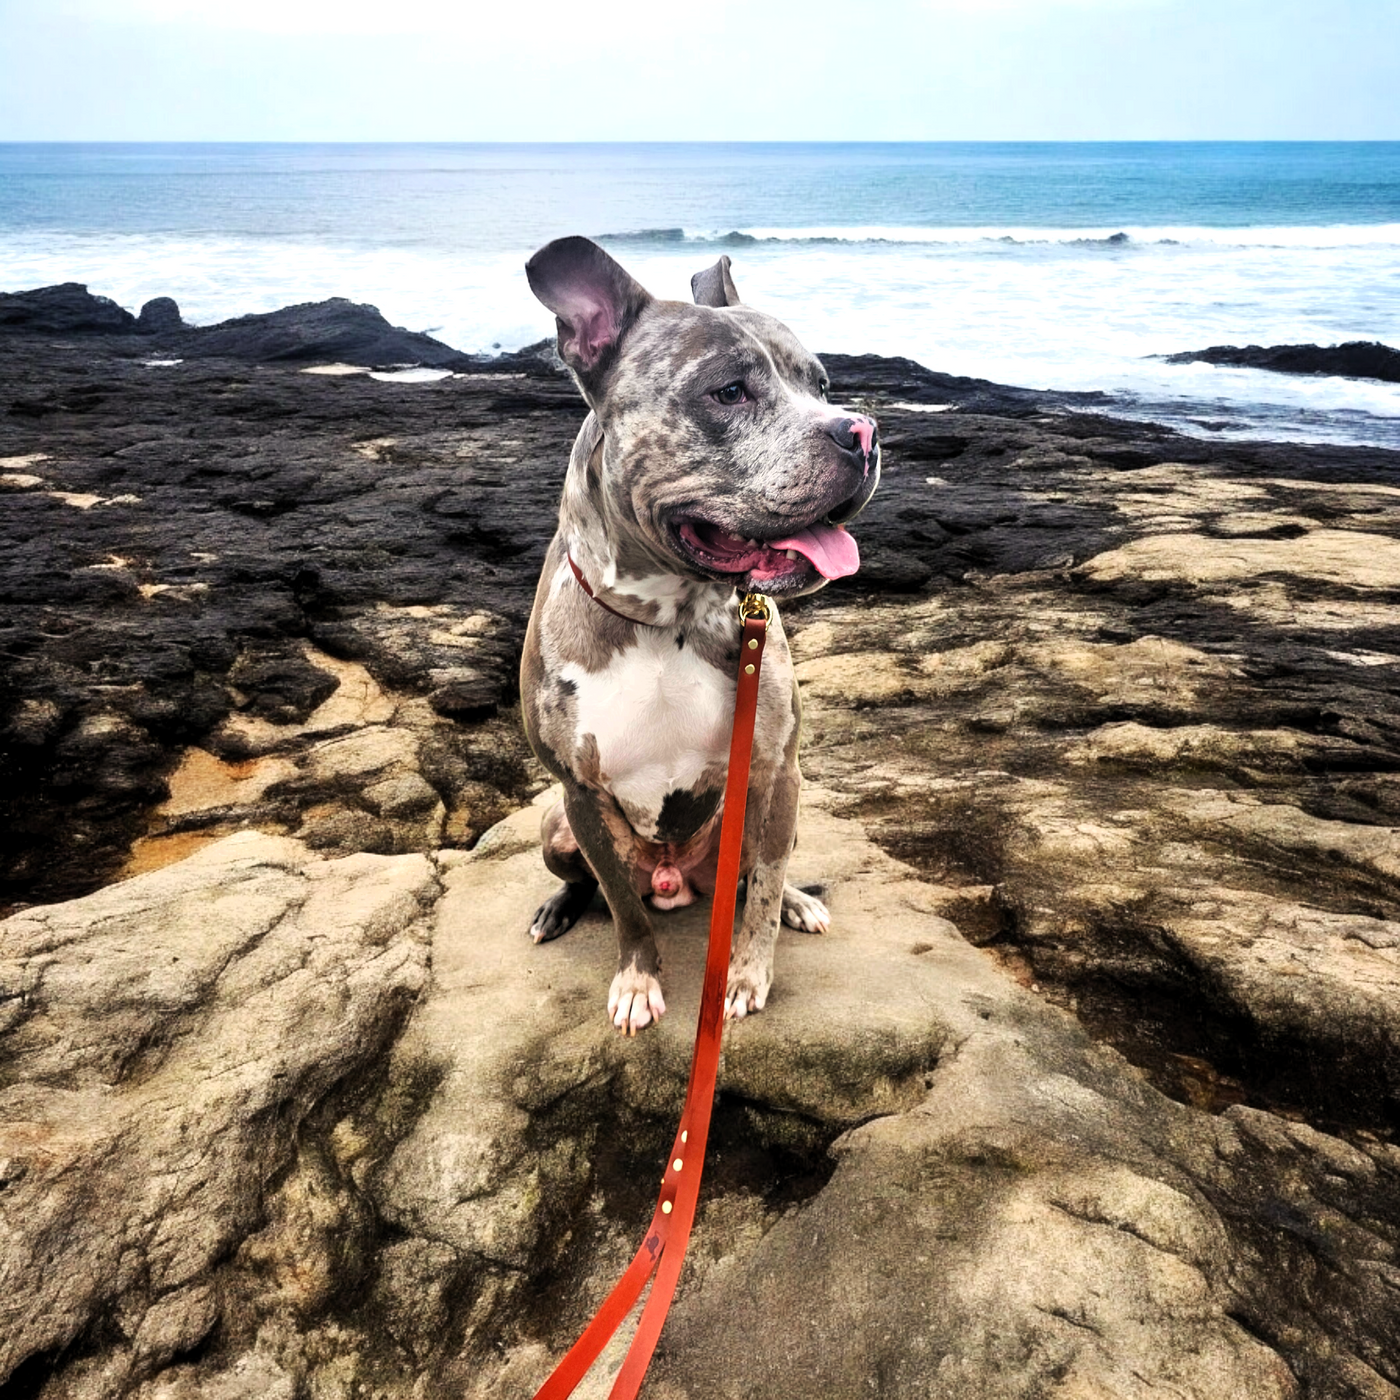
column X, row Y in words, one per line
column 804, row 911
column 561, row 911
column 635, row 1000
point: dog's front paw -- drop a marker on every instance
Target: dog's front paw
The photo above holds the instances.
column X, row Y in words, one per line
column 635, row 1000
column 747, row 992
column 804, row 911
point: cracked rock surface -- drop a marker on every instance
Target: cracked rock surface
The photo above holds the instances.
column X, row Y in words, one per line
column 165, row 1043
column 921, row 1172
column 1090, row 1091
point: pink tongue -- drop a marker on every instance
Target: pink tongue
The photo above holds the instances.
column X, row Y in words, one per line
column 829, row 549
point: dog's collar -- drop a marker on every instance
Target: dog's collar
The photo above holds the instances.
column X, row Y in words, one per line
column 584, row 584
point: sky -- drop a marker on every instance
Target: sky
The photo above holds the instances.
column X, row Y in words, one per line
column 734, row 70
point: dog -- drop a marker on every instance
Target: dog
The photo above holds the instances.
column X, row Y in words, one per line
column 710, row 461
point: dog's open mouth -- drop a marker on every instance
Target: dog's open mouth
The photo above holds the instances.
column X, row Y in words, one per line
column 824, row 547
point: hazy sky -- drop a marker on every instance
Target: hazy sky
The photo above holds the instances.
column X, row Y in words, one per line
column 464, row 70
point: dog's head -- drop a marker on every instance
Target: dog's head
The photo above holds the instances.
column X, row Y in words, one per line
column 722, row 458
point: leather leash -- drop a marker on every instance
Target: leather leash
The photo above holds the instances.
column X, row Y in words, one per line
column 662, row 1250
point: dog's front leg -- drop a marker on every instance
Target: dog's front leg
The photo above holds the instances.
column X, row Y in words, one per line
column 768, row 838
column 602, row 833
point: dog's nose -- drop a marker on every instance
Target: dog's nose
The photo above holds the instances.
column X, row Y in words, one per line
column 857, row 435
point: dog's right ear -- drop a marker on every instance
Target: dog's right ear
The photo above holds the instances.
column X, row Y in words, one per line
column 714, row 286
column 593, row 298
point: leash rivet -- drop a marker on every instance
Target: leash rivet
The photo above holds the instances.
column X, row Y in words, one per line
column 753, row 643
column 665, row 1207
column 748, row 670
column 677, row 1165
column 685, row 1137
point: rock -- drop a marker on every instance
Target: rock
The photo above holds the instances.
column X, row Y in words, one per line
column 66, row 309
column 167, row 1041
column 315, row 333
column 224, row 607
column 918, row 1171
column 224, row 516
column 1118, row 704
column 1355, row 359
column 1349, row 558
column 160, row 316
column 253, row 1376
column 1146, row 1235
column 897, row 378
column 206, row 784
column 334, row 330
column 401, row 797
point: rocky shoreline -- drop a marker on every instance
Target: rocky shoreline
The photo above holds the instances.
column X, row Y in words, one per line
column 1096, row 1071
column 1355, row 359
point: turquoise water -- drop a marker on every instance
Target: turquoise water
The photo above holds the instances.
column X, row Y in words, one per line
column 1053, row 265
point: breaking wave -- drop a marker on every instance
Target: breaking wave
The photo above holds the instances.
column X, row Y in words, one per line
column 1274, row 236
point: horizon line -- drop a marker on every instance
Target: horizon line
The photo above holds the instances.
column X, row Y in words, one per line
column 696, row 141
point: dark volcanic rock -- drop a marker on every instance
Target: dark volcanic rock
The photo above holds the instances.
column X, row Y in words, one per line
column 175, row 538
column 335, row 330
column 316, row 332
column 1356, row 359
column 160, row 315
column 63, row 310
column 895, row 377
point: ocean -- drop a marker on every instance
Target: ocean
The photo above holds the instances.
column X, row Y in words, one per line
column 1059, row 266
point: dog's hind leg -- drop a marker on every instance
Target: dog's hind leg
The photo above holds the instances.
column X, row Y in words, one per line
column 562, row 857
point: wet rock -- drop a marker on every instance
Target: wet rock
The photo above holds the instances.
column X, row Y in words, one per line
column 148, row 593
column 319, row 332
column 365, row 770
column 160, row 316
column 66, row 309
column 179, row 535
column 1355, row 359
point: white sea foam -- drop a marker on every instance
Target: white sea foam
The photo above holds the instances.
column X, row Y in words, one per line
column 1044, row 312
column 413, row 374
column 1272, row 236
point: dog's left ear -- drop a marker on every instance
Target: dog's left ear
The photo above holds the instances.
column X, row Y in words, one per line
column 714, row 286
column 594, row 300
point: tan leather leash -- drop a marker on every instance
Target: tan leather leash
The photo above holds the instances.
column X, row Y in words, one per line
column 663, row 1249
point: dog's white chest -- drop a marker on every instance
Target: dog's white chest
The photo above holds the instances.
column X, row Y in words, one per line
column 660, row 716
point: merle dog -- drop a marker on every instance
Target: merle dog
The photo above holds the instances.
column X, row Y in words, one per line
column 710, row 461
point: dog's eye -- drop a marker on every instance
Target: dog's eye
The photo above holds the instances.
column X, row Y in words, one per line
column 822, row 390
column 731, row 393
